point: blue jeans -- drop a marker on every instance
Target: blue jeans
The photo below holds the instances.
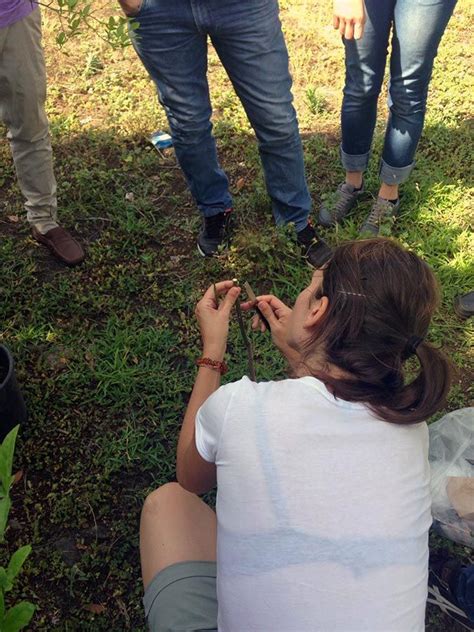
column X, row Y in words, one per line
column 418, row 26
column 172, row 43
column 464, row 591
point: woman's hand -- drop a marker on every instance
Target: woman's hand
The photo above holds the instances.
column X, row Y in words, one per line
column 131, row 7
column 213, row 318
column 349, row 18
column 277, row 315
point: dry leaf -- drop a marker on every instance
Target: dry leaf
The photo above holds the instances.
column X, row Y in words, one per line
column 95, row 608
column 13, row 218
column 17, row 476
column 240, row 184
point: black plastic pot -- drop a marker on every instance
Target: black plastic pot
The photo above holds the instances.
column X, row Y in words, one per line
column 12, row 406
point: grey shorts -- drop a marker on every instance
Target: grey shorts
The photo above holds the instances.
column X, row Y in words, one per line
column 182, row 598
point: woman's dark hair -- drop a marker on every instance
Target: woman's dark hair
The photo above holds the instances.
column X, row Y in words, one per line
column 381, row 300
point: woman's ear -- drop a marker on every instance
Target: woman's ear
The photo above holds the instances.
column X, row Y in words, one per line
column 316, row 312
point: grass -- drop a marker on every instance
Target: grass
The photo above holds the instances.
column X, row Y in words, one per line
column 105, row 351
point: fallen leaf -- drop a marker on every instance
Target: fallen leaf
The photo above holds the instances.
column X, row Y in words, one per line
column 17, row 476
column 239, row 185
column 95, row 608
column 13, row 218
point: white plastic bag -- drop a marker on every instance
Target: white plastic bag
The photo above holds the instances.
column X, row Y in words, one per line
column 452, row 475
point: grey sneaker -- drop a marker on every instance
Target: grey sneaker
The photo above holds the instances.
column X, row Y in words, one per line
column 345, row 198
column 381, row 217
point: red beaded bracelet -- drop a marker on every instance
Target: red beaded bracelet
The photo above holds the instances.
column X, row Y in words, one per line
column 213, row 364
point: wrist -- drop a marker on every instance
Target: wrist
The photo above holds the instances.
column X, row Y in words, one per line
column 214, row 351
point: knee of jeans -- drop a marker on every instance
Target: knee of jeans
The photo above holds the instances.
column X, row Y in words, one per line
column 360, row 93
column 278, row 130
column 189, row 131
column 406, row 100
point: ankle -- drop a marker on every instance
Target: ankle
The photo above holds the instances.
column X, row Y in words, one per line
column 354, row 178
column 389, row 192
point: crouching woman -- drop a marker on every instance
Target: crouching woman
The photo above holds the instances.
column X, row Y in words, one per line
column 323, row 501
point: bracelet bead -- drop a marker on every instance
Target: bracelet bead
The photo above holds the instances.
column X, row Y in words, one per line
column 216, row 365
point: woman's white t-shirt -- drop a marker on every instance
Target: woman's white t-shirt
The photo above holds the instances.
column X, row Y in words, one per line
column 323, row 511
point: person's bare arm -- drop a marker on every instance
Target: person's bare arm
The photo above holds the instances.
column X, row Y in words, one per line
column 193, row 472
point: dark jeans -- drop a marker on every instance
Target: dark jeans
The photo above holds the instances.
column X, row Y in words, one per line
column 418, row 26
column 464, row 591
column 172, row 44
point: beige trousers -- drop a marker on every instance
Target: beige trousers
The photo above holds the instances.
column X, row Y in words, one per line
column 22, row 98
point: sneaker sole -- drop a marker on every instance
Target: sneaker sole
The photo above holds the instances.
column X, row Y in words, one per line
column 203, row 254
column 460, row 311
column 200, row 251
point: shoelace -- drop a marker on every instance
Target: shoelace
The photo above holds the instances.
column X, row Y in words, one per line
column 378, row 212
column 340, row 206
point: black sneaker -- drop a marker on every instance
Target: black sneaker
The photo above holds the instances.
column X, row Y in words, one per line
column 214, row 233
column 443, row 570
column 381, row 218
column 314, row 249
column 341, row 204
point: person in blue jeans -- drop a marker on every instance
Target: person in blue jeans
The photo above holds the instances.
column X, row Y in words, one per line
column 451, row 587
column 417, row 27
column 171, row 41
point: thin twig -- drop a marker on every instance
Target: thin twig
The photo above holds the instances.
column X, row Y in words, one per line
column 247, row 343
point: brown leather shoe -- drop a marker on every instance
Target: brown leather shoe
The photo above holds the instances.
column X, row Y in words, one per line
column 61, row 244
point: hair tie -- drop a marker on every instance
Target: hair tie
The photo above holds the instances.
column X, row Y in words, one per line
column 413, row 342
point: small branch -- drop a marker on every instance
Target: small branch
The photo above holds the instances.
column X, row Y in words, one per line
column 247, row 343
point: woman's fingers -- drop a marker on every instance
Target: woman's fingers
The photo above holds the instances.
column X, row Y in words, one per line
column 247, row 306
column 221, row 288
column 342, row 26
column 268, row 312
column 358, row 30
column 335, row 21
column 272, row 300
column 349, row 31
column 228, row 303
column 258, row 324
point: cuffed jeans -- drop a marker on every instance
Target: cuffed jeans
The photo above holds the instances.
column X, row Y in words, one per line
column 418, row 26
column 22, row 98
column 172, row 43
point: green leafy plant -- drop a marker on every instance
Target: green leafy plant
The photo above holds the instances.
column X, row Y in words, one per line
column 317, row 103
column 19, row 615
column 75, row 16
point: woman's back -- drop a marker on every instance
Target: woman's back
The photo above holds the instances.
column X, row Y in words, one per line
column 323, row 510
